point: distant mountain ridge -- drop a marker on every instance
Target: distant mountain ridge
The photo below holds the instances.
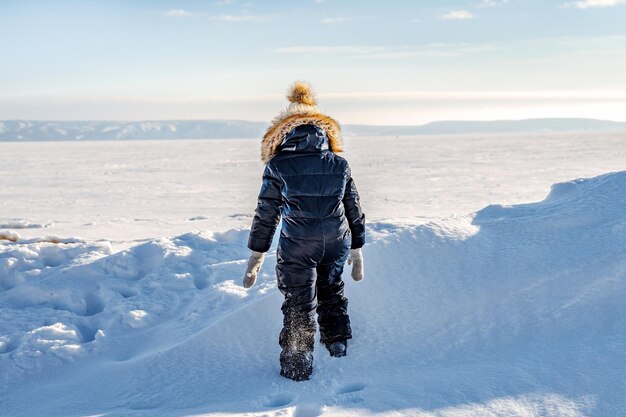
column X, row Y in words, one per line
column 29, row 130
column 496, row 126
column 15, row 130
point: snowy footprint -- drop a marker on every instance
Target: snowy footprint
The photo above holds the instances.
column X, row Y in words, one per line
column 349, row 393
column 279, row 400
column 308, row 410
column 350, row 388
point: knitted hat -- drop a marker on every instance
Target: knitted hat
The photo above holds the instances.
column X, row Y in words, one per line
column 301, row 110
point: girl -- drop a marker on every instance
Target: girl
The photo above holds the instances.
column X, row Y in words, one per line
column 311, row 186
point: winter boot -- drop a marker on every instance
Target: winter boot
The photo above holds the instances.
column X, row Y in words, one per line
column 337, row 349
column 296, row 365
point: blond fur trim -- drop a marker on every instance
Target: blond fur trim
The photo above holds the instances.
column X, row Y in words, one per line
column 301, row 111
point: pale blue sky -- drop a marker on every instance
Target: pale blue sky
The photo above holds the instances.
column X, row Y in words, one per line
column 392, row 62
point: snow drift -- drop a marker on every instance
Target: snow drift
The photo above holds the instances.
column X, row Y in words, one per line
column 513, row 310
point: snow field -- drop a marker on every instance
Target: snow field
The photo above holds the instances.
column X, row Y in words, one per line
column 510, row 311
column 68, row 300
column 131, row 192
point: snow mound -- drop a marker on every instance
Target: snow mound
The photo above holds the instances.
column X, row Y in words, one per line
column 509, row 311
column 59, row 300
column 22, row 224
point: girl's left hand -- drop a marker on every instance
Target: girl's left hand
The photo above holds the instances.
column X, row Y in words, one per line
column 356, row 258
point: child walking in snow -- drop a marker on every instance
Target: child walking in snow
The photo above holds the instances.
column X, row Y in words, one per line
column 323, row 225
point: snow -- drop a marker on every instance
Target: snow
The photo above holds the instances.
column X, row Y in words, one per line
column 20, row 224
column 126, row 193
column 506, row 310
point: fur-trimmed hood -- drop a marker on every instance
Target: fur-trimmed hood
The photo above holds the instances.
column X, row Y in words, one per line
column 302, row 110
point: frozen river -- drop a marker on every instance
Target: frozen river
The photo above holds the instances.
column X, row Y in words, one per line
column 129, row 191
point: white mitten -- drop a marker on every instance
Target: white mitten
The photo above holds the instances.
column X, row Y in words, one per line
column 356, row 257
column 254, row 265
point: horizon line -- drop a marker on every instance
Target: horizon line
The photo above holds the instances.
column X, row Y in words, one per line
column 343, row 124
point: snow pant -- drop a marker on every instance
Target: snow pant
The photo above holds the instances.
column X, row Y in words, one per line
column 310, row 279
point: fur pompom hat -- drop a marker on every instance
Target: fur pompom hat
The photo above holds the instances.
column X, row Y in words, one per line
column 302, row 110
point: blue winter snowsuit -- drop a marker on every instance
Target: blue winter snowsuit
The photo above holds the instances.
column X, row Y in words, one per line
column 312, row 188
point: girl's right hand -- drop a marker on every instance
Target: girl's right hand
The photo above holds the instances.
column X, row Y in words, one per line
column 254, row 265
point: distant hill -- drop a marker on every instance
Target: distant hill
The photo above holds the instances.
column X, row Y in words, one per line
column 496, row 126
column 28, row 130
column 15, row 130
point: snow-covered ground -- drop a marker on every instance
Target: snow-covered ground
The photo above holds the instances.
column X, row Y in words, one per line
column 509, row 311
column 122, row 192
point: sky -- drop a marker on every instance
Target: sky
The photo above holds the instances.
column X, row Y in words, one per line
column 370, row 62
